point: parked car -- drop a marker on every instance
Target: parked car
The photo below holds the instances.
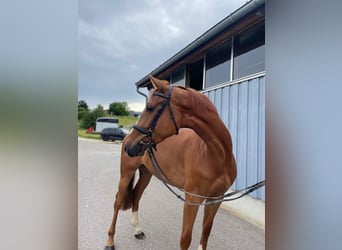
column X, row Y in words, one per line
column 113, row 134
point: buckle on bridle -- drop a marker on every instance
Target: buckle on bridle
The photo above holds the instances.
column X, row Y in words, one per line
column 146, row 142
column 149, row 143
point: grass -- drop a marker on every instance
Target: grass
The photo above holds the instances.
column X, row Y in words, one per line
column 124, row 121
column 83, row 133
column 127, row 121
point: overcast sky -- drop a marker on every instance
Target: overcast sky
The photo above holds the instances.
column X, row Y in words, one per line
column 121, row 41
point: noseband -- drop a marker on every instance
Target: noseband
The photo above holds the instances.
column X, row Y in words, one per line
column 148, row 133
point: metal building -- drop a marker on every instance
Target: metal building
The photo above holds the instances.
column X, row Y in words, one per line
column 227, row 63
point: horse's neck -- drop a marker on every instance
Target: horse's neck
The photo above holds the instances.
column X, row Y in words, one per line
column 201, row 116
column 212, row 131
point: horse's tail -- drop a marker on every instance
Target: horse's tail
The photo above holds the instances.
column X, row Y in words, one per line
column 128, row 199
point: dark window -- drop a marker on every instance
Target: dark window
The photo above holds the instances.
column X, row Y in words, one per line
column 217, row 65
column 177, row 76
column 196, row 75
column 167, row 78
column 249, row 51
column 113, row 120
column 109, row 120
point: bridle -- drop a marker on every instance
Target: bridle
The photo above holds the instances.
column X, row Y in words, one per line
column 148, row 132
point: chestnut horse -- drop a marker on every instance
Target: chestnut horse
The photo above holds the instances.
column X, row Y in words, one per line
column 204, row 167
column 170, row 155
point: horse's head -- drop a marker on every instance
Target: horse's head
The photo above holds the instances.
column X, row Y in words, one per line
column 159, row 120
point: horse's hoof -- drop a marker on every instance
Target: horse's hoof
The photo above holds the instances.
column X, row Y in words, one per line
column 109, row 248
column 140, row 236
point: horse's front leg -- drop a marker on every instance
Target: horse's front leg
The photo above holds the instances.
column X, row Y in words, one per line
column 189, row 216
column 208, row 219
column 144, row 180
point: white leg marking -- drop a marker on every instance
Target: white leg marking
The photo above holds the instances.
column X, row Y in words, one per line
column 135, row 222
column 200, row 247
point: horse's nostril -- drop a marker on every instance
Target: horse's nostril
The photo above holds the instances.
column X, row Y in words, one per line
column 130, row 150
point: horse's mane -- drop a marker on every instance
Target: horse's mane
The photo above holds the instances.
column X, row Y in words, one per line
column 200, row 101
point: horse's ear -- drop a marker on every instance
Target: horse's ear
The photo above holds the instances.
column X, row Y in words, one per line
column 158, row 84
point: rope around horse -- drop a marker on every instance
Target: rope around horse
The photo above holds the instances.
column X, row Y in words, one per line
column 215, row 199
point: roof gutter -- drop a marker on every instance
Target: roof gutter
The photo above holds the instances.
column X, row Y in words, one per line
column 207, row 36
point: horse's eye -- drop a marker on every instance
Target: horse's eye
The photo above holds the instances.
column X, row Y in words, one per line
column 149, row 108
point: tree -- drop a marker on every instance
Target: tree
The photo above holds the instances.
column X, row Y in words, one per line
column 83, row 104
column 89, row 119
column 118, row 108
column 81, row 112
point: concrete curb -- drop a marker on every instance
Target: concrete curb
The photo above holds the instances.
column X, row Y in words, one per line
column 247, row 208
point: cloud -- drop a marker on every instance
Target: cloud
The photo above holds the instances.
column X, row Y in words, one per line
column 121, row 41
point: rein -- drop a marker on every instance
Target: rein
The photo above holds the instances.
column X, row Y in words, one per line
column 148, row 133
column 216, row 199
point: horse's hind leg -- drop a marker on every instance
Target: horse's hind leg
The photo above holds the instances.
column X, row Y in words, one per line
column 144, row 180
column 208, row 219
column 122, row 196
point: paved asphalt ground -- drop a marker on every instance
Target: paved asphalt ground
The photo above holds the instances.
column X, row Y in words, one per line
column 160, row 212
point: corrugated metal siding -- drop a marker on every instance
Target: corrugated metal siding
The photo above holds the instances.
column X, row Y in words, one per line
column 242, row 109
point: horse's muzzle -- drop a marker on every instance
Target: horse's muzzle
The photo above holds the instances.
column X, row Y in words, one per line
column 135, row 149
